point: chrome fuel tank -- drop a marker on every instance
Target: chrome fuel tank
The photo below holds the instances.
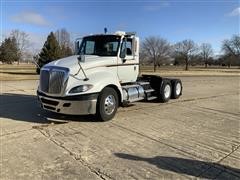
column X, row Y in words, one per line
column 133, row 93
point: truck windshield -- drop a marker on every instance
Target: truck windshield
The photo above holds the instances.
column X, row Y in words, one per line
column 101, row 45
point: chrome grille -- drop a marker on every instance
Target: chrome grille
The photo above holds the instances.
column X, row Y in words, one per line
column 53, row 80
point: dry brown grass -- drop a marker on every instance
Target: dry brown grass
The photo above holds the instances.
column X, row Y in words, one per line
column 28, row 71
column 193, row 71
column 18, row 72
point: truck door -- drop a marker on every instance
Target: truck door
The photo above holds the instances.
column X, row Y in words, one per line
column 128, row 66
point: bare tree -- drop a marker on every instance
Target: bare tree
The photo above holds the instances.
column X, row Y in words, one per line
column 22, row 40
column 206, row 52
column 64, row 39
column 231, row 49
column 156, row 49
column 186, row 49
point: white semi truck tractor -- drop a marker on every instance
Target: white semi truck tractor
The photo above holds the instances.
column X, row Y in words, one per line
column 103, row 75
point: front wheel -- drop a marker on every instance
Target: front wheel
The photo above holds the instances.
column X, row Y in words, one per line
column 107, row 104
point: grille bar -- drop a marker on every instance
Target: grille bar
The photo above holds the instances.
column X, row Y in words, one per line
column 44, row 80
column 51, row 102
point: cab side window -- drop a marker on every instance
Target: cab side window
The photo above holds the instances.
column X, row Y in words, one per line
column 129, row 47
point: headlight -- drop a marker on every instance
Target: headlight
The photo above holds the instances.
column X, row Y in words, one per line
column 81, row 88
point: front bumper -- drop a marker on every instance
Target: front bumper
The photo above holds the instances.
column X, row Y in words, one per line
column 72, row 105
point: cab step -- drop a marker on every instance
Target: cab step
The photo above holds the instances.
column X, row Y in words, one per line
column 149, row 90
column 130, row 86
column 142, row 83
column 151, row 98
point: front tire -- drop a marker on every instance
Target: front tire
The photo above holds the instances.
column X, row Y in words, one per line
column 107, row 104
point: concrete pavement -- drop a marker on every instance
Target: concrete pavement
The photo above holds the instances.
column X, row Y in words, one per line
column 196, row 136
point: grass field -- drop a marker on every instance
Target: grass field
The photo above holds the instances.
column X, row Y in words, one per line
column 193, row 71
column 28, row 71
column 18, row 72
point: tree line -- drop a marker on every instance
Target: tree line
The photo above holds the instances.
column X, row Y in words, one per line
column 15, row 48
column 154, row 50
column 158, row 51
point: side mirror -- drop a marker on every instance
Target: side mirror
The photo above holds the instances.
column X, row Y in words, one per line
column 81, row 58
column 77, row 45
column 123, row 53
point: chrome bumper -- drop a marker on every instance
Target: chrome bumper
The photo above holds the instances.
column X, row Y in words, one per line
column 74, row 105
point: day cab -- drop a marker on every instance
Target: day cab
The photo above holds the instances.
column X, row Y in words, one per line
column 103, row 75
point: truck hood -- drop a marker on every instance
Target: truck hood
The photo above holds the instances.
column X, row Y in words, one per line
column 91, row 61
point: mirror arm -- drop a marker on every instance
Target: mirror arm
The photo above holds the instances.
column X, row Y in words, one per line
column 80, row 68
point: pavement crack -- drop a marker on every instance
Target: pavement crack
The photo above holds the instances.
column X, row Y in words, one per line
column 220, row 111
column 97, row 172
column 15, row 132
column 218, row 162
column 179, row 101
column 202, row 98
column 156, row 140
column 40, row 127
column 185, row 152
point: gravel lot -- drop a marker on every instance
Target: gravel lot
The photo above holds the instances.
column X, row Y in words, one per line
column 196, row 136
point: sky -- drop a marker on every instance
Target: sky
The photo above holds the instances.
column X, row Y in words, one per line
column 204, row 21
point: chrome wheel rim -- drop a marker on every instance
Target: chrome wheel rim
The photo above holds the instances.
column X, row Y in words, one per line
column 109, row 104
column 167, row 91
column 178, row 88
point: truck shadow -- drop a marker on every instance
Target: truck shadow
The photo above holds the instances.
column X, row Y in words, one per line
column 196, row 168
column 21, row 107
